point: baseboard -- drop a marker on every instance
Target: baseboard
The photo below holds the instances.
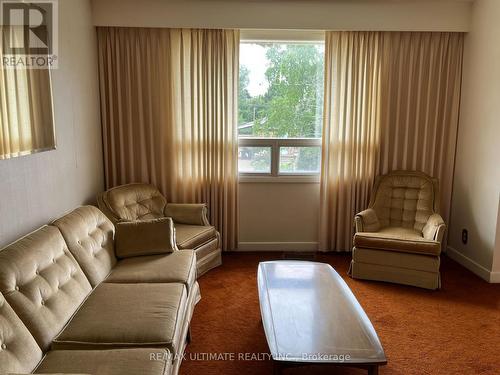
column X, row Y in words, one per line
column 277, row 246
column 495, row 277
column 473, row 266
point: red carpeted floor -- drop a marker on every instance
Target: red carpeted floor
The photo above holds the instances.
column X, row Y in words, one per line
column 455, row 330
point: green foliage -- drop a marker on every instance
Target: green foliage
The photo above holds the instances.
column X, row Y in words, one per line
column 244, row 98
column 309, row 157
column 300, row 159
column 292, row 105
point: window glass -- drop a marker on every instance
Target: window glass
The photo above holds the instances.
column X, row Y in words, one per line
column 254, row 159
column 299, row 160
column 281, row 90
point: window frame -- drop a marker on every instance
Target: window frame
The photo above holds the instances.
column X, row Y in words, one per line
column 275, row 144
column 280, row 36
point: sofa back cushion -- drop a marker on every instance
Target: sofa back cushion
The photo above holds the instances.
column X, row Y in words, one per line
column 133, row 202
column 42, row 282
column 89, row 236
column 404, row 199
column 19, row 352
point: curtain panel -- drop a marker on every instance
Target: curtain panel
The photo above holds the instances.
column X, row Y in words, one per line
column 391, row 102
column 169, row 113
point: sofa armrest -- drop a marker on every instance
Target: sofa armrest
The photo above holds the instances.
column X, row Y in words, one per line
column 434, row 228
column 188, row 213
column 367, row 221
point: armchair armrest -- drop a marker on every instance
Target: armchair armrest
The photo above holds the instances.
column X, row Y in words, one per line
column 188, row 213
column 367, row 221
column 434, row 228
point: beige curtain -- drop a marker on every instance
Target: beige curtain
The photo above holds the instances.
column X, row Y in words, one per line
column 391, row 102
column 169, row 112
column 26, row 118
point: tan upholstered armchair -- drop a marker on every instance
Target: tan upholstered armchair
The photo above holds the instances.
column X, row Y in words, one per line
column 192, row 229
column 398, row 238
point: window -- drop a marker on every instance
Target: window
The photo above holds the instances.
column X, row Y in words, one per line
column 280, row 108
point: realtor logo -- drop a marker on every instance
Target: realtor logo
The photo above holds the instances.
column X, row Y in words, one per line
column 29, row 34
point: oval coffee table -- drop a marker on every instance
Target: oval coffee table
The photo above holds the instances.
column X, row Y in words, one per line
column 311, row 317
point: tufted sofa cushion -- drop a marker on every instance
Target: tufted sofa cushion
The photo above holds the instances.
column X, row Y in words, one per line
column 89, row 235
column 42, row 282
column 133, row 202
column 19, row 353
column 404, row 200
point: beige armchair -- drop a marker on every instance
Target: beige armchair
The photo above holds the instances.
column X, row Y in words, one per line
column 398, row 238
column 192, row 229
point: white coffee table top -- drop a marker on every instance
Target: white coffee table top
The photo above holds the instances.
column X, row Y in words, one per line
column 310, row 315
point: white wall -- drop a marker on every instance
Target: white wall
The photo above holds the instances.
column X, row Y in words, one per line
column 437, row 15
column 476, row 191
column 37, row 188
column 278, row 216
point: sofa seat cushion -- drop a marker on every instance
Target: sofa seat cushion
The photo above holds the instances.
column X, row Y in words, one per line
column 108, row 362
column 397, row 239
column 127, row 315
column 179, row 266
column 192, row 236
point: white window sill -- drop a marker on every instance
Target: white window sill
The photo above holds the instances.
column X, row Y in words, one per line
column 282, row 179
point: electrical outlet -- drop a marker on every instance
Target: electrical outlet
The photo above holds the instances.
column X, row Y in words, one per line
column 465, row 236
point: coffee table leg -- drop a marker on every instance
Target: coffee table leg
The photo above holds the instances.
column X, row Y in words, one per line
column 277, row 367
column 373, row 370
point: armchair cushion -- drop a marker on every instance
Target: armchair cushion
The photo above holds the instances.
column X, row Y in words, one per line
column 397, row 239
column 404, row 199
column 132, row 202
column 185, row 213
column 147, row 237
column 193, row 236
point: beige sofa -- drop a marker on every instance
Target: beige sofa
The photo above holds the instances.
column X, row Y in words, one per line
column 138, row 201
column 68, row 305
column 398, row 238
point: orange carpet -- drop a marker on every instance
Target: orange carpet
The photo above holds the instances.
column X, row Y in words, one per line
column 455, row 330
